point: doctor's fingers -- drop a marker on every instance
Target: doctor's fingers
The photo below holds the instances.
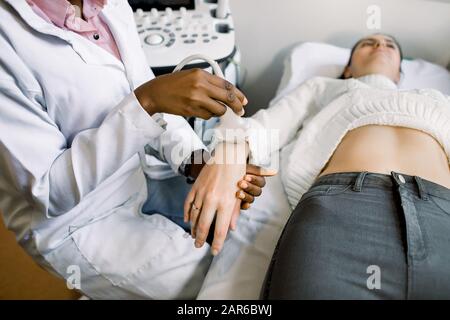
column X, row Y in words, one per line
column 204, row 222
column 256, row 180
column 245, row 206
column 212, row 106
column 250, row 188
column 224, row 84
column 202, row 113
column 245, row 197
column 227, row 97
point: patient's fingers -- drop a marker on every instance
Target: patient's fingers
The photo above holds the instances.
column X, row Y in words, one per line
column 220, row 232
column 193, row 222
column 235, row 217
column 223, row 221
column 204, row 222
column 195, row 211
column 188, row 205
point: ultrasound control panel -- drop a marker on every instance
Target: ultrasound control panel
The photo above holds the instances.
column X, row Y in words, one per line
column 172, row 30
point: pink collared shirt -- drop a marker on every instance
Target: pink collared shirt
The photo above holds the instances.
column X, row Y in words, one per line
column 63, row 15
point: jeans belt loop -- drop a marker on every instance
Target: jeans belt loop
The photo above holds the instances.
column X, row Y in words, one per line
column 359, row 181
column 422, row 190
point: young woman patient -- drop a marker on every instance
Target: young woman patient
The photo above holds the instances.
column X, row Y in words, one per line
column 366, row 167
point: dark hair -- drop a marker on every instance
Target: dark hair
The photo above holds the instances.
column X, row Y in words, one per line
column 359, row 41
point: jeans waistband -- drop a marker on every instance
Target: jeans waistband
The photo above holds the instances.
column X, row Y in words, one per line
column 359, row 179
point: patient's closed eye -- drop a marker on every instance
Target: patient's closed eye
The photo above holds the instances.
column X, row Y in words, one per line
column 371, row 42
column 368, row 42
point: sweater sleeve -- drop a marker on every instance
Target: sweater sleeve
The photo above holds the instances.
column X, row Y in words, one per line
column 273, row 128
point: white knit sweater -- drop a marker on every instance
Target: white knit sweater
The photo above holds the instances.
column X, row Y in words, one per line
column 312, row 120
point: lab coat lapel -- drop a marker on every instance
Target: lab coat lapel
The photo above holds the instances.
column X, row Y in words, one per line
column 34, row 21
column 89, row 52
column 121, row 28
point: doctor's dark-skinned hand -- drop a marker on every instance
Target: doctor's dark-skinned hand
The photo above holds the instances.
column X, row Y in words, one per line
column 190, row 93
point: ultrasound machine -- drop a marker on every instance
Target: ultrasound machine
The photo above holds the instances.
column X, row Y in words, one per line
column 171, row 30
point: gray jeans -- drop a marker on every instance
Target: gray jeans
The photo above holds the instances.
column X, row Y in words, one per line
column 365, row 236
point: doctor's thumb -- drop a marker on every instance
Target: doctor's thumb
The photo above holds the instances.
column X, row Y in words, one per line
column 259, row 171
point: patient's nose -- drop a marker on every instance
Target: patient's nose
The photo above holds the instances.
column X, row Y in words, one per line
column 379, row 43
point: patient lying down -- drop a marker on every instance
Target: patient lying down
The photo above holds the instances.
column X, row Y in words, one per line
column 360, row 175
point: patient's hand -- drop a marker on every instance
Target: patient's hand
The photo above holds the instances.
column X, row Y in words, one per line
column 214, row 192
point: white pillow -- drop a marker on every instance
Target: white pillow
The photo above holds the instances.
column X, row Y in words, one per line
column 312, row 59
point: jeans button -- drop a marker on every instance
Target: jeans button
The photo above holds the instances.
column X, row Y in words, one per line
column 401, row 178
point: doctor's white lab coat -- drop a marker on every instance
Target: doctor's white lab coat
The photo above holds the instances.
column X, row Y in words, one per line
column 72, row 162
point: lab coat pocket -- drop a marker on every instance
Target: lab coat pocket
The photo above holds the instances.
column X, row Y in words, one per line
column 123, row 244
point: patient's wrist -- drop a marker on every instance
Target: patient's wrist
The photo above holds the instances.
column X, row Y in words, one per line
column 230, row 153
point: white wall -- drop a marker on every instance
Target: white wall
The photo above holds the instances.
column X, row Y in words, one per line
column 266, row 29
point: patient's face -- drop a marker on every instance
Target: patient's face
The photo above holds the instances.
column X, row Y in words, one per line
column 375, row 54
